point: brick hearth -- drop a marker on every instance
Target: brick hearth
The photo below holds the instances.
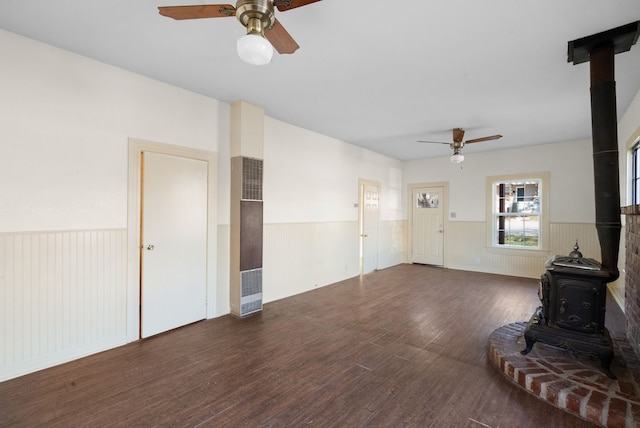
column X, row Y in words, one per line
column 571, row 382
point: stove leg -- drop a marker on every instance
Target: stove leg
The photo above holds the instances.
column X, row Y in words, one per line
column 605, row 359
column 530, row 340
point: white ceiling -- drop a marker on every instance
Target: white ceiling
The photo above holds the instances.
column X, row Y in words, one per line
column 378, row 74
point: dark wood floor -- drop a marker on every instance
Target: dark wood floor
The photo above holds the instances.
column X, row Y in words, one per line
column 405, row 347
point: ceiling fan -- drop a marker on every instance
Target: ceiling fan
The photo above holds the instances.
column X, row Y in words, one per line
column 257, row 16
column 458, row 143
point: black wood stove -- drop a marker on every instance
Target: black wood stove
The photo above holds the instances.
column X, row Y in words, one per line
column 573, row 289
column 573, row 293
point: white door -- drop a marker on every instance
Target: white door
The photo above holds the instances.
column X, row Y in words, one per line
column 370, row 209
column 428, row 225
column 173, row 242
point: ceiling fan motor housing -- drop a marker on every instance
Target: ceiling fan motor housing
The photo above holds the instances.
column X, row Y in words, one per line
column 256, row 15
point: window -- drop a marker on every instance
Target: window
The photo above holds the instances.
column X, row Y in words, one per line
column 635, row 173
column 428, row 200
column 518, row 212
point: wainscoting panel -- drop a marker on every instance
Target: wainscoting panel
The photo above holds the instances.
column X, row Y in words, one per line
column 62, row 296
column 564, row 235
column 466, row 249
column 302, row 256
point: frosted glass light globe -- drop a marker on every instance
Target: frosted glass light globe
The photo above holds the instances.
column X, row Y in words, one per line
column 254, row 49
column 457, row 158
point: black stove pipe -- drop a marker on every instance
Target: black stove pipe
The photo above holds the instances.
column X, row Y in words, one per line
column 599, row 50
column 604, row 126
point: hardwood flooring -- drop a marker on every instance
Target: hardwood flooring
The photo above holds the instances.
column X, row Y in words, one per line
column 403, row 347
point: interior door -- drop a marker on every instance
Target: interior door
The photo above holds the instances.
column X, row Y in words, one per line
column 428, row 225
column 173, row 242
column 370, row 206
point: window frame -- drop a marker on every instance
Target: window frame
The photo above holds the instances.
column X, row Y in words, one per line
column 635, row 172
column 543, row 196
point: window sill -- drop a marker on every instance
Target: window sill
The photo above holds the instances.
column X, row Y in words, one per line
column 522, row 252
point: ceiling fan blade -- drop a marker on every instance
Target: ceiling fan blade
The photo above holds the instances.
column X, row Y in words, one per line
column 458, row 134
column 477, row 140
column 198, row 11
column 284, row 5
column 281, row 39
column 434, row 142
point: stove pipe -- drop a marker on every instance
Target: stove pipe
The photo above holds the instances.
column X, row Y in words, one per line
column 599, row 49
column 604, row 121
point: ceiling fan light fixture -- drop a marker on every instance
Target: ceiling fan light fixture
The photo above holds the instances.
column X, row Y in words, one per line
column 257, row 16
column 254, row 49
column 457, row 157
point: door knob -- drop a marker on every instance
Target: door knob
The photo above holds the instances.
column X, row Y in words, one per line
column 150, row 247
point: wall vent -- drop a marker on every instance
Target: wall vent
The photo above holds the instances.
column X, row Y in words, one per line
column 252, row 179
column 251, row 289
column 246, row 227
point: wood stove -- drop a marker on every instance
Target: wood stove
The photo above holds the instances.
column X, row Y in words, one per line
column 573, row 293
column 573, row 289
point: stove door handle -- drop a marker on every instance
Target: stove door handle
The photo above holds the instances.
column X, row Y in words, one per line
column 563, row 305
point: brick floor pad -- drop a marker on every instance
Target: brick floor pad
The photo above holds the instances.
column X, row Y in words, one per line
column 572, row 382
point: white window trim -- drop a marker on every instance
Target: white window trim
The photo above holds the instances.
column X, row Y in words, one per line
column 633, row 180
column 543, row 194
column 633, row 139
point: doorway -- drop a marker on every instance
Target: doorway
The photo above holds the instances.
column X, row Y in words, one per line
column 369, row 202
column 427, row 214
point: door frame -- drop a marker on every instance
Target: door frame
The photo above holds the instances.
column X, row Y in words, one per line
column 445, row 220
column 361, row 183
column 136, row 147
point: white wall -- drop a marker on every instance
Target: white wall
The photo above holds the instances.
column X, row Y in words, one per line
column 66, row 121
column 628, row 131
column 307, row 177
column 311, row 223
